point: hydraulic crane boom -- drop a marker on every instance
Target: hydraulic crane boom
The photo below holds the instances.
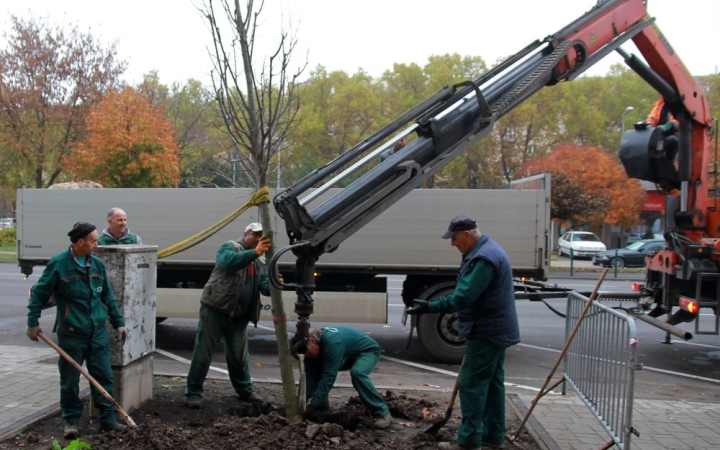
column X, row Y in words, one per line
column 451, row 121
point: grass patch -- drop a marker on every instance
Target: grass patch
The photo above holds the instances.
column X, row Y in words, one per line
column 9, row 247
column 8, row 256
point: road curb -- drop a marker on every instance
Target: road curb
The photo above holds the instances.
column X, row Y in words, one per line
column 536, row 431
column 26, row 422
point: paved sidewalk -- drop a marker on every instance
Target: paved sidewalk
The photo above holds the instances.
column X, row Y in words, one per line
column 29, row 392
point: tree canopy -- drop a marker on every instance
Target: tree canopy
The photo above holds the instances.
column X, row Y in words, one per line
column 49, row 80
column 129, row 143
column 590, row 186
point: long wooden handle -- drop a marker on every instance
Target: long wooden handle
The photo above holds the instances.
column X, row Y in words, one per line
column 453, row 396
column 303, row 384
column 92, row 380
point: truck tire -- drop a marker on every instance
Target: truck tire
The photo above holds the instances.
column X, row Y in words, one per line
column 439, row 332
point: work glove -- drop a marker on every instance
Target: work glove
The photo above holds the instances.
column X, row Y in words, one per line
column 32, row 333
column 419, row 307
column 122, row 334
column 262, row 246
column 666, row 127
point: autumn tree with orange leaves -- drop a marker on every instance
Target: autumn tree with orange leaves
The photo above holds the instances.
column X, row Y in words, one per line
column 589, row 186
column 129, row 143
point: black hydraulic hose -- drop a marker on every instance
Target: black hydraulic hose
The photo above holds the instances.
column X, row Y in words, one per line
column 272, row 275
column 650, row 76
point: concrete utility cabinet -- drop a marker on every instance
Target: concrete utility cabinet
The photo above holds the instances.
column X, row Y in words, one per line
column 132, row 272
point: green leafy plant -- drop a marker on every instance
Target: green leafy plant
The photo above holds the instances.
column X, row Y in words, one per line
column 8, row 238
column 73, row 445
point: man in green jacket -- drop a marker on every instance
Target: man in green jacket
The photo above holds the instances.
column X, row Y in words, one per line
column 484, row 302
column 230, row 300
column 332, row 349
column 85, row 301
column 117, row 232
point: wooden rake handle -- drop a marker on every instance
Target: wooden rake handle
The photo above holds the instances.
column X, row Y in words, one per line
column 131, row 423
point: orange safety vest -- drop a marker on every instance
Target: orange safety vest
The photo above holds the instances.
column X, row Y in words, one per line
column 655, row 118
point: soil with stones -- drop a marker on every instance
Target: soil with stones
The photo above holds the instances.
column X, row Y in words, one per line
column 225, row 422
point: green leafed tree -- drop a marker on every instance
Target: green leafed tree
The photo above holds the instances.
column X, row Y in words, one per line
column 205, row 153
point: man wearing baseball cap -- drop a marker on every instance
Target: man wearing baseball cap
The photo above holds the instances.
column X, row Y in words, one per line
column 484, row 301
column 230, row 300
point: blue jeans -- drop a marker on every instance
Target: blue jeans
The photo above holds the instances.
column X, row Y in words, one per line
column 212, row 327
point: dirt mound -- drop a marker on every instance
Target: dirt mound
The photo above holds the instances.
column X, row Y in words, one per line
column 225, row 422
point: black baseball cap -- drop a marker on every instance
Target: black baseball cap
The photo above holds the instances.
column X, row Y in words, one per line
column 459, row 223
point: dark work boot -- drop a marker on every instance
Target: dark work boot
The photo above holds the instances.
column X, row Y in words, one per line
column 251, row 397
column 71, row 431
column 193, row 402
column 454, row 446
column 115, row 426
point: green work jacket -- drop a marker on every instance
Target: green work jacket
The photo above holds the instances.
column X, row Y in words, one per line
column 83, row 295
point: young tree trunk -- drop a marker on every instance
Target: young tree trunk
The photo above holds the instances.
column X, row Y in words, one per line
column 280, row 325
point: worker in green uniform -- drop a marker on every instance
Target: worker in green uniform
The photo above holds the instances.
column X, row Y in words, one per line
column 85, row 301
column 230, row 301
column 484, row 301
column 117, row 232
column 331, row 349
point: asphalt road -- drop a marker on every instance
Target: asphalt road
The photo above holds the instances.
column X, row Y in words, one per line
column 682, row 370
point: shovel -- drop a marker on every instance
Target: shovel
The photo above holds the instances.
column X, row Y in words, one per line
column 441, row 422
column 92, row 380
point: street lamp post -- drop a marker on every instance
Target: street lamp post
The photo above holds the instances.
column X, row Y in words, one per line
column 278, row 171
column 233, row 161
column 627, row 111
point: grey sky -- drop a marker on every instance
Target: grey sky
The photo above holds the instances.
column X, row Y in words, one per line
column 170, row 35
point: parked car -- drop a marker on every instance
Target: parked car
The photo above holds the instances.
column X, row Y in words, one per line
column 631, row 256
column 7, row 222
column 583, row 244
column 634, row 237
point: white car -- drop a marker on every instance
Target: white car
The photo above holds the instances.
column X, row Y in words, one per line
column 7, row 223
column 583, row 244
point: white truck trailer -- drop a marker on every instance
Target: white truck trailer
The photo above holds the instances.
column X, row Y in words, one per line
column 403, row 240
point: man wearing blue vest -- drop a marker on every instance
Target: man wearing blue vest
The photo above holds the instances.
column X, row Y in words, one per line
column 484, row 301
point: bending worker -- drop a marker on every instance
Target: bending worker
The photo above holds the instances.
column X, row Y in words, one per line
column 331, row 349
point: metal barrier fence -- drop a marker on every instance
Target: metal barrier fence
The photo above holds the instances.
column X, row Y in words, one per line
column 600, row 365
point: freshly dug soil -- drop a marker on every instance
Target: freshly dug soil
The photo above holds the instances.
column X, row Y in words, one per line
column 225, row 422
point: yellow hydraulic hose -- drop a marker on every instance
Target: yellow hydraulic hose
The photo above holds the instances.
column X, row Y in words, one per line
column 260, row 196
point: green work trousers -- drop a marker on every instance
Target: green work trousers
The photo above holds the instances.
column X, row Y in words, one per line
column 360, row 369
column 482, row 395
column 360, row 375
column 94, row 352
column 213, row 327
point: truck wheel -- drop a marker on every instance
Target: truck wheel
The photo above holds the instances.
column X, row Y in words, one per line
column 439, row 332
